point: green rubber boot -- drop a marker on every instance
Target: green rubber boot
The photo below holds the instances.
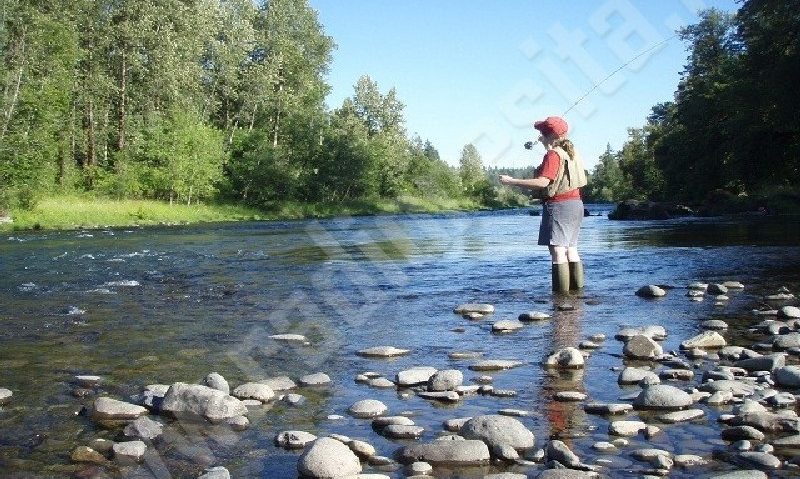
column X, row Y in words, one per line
column 560, row 277
column 576, row 275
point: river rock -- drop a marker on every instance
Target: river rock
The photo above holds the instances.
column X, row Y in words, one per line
column 87, row 454
column 130, row 452
column 381, row 383
column 689, row 460
column 714, row 325
column 447, row 396
column 787, row 376
column 718, row 398
column 414, row 376
column 446, row 380
column 626, row 428
column 679, row 374
column 455, row 424
column 705, row 340
column 736, row 387
column 651, row 291
column 566, row 474
column 316, row 379
column 258, row 391
column 507, row 326
column 788, row 442
column 569, row 396
column 368, row 408
column 294, row 439
column 786, row 341
column 533, row 316
column 681, row 416
column 445, row 452
column 107, row 408
column 766, row 421
column 496, row 430
column 144, row 428
column 567, row 358
column 383, row 421
column 607, row 409
column 741, row 474
column 420, row 468
column 456, row 355
column 383, row 352
column 559, row 452
column 791, row 312
column 738, row 433
column 5, row 395
column 291, row 338
column 642, row 347
column 662, row 396
column 280, row 383
column 88, row 380
column 203, row 401
column 362, row 449
column 217, row 472
column 328, row 458
column 474, row 308
column 761, row 460
column 652, row 331
column 396, row 431
column 495, row 365
column 631, row 375
column 216, row 381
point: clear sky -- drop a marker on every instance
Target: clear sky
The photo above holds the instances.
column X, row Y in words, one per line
column 481, row 71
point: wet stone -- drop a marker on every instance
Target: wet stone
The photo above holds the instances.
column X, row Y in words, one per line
column 662, row 396
column 468, row 389
column 238, row 423
column 328, row 458
column 559, row 452
column 496, row 430
column 717, row 288
column 367, row 408
column 607, row 409
column 420, row 467
column 447, row 396
column 396, row 431
column 383, row 421
column 217, row 472
column 88, row 455
column 569, row 396
column 280, row 383
column 719, row 397
column 383, row 352
column 88, row 381
column 474, row 308
column 5, row 395
column 257, row 391
column 455, row 425
column 514, row 412
column 652, row 331
column 130, row 452
column 144, row 428
column 678, row 374
column 446, row 380
column 791, row 312
column 361, row 448
column 642, row 347
column 533, row 316
column 787, row 376
column 705, row 340
column 786, row 341
column 507, row 326
column 604, row 446
column 316, row 379
column 682, row 416
column 566, row 358
column 291, row 338
column 742, row 432
column 294, row 439
column 455, row 453
column 714, row 325
column 626, row 428
column 108, row 408
column 414, row 376
column 216, row 381
column 380, row 383
column 631, row 375
column 456, row 355
column 651, row 291
column 495, row 365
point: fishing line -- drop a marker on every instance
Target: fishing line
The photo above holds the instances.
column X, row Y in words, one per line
column 597, row 85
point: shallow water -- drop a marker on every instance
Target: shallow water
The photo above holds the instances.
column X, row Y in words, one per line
column 160, row 305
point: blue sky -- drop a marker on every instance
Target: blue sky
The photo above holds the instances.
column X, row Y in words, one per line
column 481, row 71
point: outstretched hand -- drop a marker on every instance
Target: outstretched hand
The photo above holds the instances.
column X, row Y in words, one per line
column 506, row 180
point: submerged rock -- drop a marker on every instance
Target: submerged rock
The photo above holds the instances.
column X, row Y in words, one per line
column 280, row 383
column 294, row 439
column 495, row 365
column 447, row 380
column 651, row 291
column 217, row 472
column 642, row 347
column 316, row 379
column 631, row 375
column 5, row 395
column 415, row 376
column 533, row 316
column 258, row 391
column 130, row 452
column 474, row 308
column 506, row 326
column 144, row 428
column 787, row 376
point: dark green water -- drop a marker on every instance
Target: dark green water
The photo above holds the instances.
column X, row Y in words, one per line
column 173, row 304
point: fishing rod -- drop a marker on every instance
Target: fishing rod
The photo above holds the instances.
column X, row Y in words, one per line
column 529, row 144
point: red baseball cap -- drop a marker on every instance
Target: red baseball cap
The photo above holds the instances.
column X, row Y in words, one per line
column 552, row 124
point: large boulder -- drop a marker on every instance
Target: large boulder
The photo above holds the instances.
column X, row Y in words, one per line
column 704, row 340
column 414, row 376
column 787, row 376
column 567, row 358
column 194, row 399
column 328, row 458
column 258, row 391
column 496, row 430
column 635, row 210
column 447, row 380
column 642, row 347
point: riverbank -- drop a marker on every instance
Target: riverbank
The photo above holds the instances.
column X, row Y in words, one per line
column 74, row 212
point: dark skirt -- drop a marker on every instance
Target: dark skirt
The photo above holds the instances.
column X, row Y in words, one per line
column 561, row 223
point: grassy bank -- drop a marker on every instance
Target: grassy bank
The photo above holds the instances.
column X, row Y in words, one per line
column 73, row 212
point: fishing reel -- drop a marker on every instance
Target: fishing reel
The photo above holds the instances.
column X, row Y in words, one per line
column 529, row 144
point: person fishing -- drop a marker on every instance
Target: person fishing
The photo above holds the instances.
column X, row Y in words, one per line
column 559, row 177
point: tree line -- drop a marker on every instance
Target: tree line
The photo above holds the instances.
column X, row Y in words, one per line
column 733, row 124
column 199, row 100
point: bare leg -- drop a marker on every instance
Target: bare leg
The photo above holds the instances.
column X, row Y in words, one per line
column 572, row 254
column 558, row 254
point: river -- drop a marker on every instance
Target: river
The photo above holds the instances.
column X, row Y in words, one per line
column 142, row 306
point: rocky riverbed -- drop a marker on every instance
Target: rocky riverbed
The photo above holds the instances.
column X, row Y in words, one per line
column 742, row 395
